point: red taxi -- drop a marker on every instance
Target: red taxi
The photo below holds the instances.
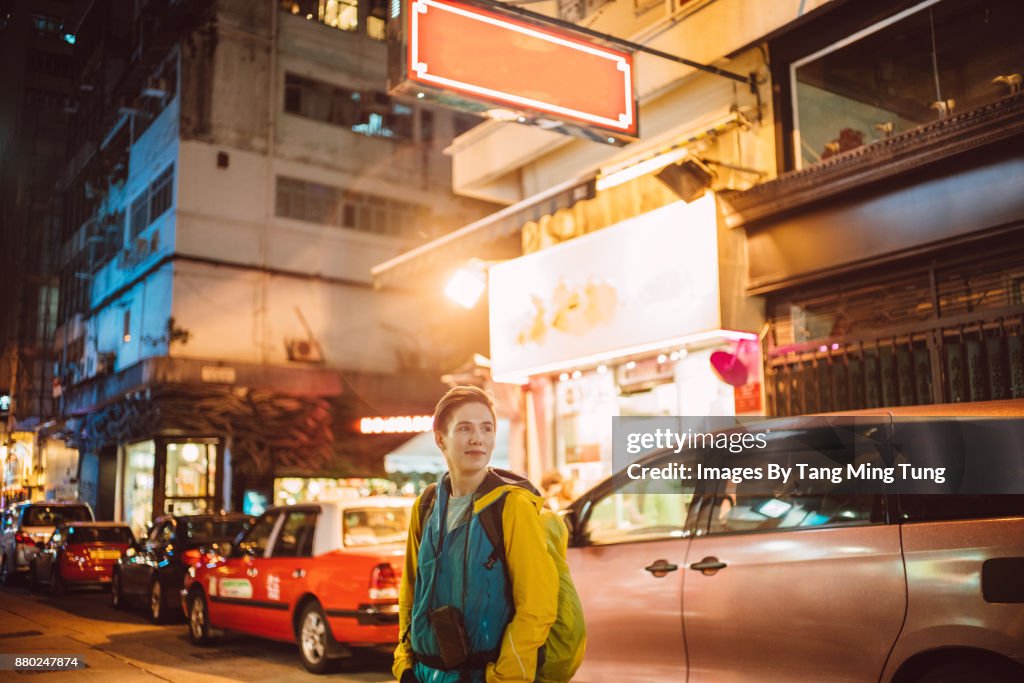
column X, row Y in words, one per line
column 323, row 575
column 79, row 554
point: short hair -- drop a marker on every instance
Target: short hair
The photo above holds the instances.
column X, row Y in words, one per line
column 460, row 396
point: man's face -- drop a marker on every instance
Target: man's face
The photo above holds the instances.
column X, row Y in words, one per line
column 468, row 440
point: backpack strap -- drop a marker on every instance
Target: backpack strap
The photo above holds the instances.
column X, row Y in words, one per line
column 427, row 499
column 490, row 520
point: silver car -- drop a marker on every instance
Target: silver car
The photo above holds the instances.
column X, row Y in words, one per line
column 25, row 524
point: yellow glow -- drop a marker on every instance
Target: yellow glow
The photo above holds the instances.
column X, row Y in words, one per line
column 401, row 424
column 466, row 286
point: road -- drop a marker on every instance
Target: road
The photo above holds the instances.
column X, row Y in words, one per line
column 123, row 646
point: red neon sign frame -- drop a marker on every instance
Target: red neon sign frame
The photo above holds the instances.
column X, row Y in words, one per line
column 483, row 55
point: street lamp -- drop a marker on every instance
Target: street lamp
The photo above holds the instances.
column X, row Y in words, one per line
column 468, row 283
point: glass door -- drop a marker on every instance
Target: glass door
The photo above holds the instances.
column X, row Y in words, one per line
column 191, row 478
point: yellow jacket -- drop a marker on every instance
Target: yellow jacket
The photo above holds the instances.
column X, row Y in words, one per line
column 531, row 572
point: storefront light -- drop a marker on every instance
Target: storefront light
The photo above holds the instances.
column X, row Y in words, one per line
column 564, row 377
column 190, row 452
column 662, row 358
column 602, row 368
column 631, row 365
column 577, row 374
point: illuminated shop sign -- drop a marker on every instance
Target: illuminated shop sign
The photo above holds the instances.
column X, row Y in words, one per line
column 403, row 424
column 513, row 69
column 647, row 283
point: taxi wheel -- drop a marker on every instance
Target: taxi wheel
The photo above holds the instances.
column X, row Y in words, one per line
column 157, row 613
column 57, row 584
column 116, row 592
column 198, row 620
column 6, row 575
column 315, row 639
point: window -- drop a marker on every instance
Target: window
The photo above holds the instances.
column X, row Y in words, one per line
column 919, row 66
column 762, row 505
column 255, row 541
column 369, row 113
column 162, row 534
column 209, row 530
column 54, row 515
column 643, row 509
column 329, row 205
column 339, row 14
column 296, row 536
column 375, row 526
column 191, row 478
column 47, row 25
column 152, row 202
column 99, row 534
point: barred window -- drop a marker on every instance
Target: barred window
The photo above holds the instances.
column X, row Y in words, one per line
column 140, row 213
column 152, row 202
column 329, row 205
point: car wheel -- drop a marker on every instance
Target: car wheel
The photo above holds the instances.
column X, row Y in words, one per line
column 198, row 620
column 33, row 580
column 57, row 586
column 157, row 613
column 116, row 592
column 5, row 572
column 315, row 639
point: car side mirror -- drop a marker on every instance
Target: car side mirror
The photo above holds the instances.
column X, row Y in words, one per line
column 571, row 519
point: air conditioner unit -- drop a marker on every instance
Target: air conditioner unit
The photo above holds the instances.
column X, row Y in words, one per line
column 304, row 350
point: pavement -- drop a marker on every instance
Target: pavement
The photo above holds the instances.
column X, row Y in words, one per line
column 123, row 646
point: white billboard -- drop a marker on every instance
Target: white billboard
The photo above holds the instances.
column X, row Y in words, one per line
column 638, row 285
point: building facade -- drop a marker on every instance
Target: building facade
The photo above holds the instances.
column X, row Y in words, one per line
column 241, row 169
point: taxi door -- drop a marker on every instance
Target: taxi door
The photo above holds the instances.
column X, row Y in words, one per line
column 283, row 579
column 236, row 590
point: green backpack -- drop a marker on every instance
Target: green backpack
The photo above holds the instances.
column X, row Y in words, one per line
column 567, row 639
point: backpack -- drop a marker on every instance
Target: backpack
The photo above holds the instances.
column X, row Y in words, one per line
column 566, row 642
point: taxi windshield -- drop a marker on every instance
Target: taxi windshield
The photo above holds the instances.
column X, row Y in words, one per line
column 375, row 526
column 53, row 515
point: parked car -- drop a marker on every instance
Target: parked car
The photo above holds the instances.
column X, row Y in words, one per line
column 153, row 570
column 25, row 524
column 323, row 575
column 79, row 554
column 724, row 581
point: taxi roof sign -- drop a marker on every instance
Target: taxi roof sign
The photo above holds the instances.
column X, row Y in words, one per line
column 506, row 66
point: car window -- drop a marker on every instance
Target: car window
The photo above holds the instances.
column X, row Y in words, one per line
column 254, row 542
column 199, row 530
column 161, row 534
column 980, row 458
column 742, row 505
column 296, row 536
column 52, row 515
column 375, row 526
column 106, row 534
column 643, row 509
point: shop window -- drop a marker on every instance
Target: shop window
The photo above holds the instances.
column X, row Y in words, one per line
column 190, row 486
column 940, row 58
column 137, row 507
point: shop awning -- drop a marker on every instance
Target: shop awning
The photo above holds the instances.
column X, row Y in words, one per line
column 470, row 239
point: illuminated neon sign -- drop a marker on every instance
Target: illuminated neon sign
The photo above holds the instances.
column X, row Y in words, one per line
column 511, row 68
column 403, row 424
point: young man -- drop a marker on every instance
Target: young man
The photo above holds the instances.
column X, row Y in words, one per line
column 455, row 590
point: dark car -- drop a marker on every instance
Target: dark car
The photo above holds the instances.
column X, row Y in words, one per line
column 79, row 554
column 154, row 569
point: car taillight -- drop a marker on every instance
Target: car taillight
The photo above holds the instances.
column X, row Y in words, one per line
column 191, row 557
column 383, row 583
column 23, row 538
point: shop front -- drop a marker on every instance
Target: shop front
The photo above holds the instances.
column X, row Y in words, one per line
column 628, row 320
column 890, row 256
column 169, row 476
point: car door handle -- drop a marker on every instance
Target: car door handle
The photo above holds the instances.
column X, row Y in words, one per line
column 709, row 565
column 251, row 572
column 298, row 573
column 660, row 568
